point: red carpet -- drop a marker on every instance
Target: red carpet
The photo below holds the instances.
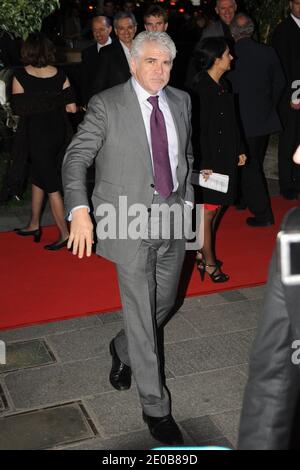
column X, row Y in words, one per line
column 41, row 286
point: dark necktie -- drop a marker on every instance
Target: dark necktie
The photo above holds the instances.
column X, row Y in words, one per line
column 159, row 141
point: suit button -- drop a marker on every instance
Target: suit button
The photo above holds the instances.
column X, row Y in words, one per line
column 152, row 186
column 149, row 209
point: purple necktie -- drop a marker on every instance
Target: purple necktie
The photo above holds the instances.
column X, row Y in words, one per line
column 159, row 140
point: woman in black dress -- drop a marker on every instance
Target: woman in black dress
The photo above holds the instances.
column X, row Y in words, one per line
column 42, row 97
column 221, row 146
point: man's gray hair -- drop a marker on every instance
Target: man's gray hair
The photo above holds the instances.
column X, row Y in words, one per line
column 122, row 15
column 244, row 30
column 163, row 40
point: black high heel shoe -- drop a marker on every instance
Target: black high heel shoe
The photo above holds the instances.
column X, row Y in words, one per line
column 36, row 234
column 219, row 263
column 56, row 245
column 216, row 276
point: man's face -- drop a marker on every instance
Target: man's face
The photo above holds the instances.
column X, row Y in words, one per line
column 155, row 23
column 152, row 67
column 295, row 8
column 101, row 31
column 125, row 30
column 226, row 10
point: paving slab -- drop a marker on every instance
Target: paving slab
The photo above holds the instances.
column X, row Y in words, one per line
column 45, row 428
column 83, row 344
column 34, row 388
column 45, row 329
column 207, row 393
column 209, row 353
column 22, row 355
column 228, row 423
column 224, row 318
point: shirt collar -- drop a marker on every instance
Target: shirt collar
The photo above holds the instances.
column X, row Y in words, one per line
column 297, row 20
column 143, row 94
column 108, row 42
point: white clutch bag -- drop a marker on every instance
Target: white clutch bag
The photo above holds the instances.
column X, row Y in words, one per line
column 216, row 181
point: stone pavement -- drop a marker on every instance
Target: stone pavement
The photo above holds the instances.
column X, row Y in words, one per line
column 55, row 393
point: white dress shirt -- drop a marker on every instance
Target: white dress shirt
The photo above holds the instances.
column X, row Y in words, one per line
column 126, row 52
column 146, row 109
column 297, row 20
column 108, row 42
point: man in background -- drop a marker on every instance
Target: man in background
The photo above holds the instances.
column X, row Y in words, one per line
column 286, row 40
column 101, row 29
column 258, row 82
column 156, row 19
column 113, row 65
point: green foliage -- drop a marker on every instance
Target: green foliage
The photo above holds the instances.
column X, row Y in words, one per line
column 21, row 17
column 268, row 13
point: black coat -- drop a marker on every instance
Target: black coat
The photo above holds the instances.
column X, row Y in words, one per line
column 258, row 81
column 286, row 41
column 89, row 69
column 220, row 138
column 113, row 68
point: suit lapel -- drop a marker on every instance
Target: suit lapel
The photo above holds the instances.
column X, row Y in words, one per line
column 175, row 107
column 135, row 123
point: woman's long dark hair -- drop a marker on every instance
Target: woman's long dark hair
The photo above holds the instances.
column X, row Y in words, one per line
column 37, row 51
column 209, row 50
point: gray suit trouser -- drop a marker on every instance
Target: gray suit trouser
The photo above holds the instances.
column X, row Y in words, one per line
column 148, row 287
column 274, row 381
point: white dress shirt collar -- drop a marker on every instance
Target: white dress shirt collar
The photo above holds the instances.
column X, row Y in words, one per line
column 108, row 42
column 297, row 20
column 142, row 94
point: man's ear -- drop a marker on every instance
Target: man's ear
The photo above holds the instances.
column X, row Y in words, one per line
column 132, row 65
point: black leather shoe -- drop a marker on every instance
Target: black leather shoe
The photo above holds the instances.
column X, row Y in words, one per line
column 120, row 374
column 56, row 245
column 164, row 429
column 254, row 222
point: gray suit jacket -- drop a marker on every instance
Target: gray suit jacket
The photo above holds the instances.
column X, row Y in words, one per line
column 113, row 133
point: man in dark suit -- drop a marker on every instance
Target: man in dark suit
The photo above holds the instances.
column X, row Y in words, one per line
column 286, row 40
column 113, row 66
column 258, row 81
column 139, row 134
column 272, row 392
column 101, row 29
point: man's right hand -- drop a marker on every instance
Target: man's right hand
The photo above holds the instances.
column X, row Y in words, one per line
column 81, row 233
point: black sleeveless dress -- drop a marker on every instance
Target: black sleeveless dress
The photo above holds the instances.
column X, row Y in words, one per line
column 47, row 128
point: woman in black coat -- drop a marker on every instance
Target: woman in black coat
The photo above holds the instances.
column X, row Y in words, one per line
column 221, row 146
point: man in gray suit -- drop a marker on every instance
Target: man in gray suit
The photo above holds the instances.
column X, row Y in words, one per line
column 139, row 134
